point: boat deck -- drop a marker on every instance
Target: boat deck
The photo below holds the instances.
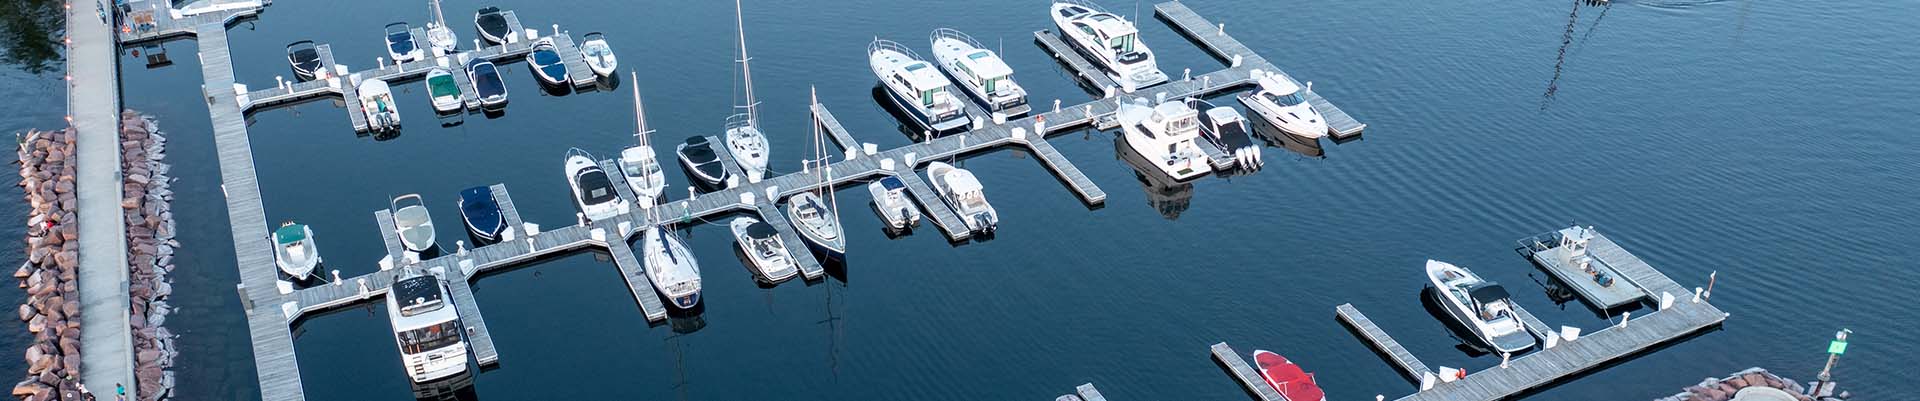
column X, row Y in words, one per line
column 1401, row 358
column 1550, row 257
column 1249, row 377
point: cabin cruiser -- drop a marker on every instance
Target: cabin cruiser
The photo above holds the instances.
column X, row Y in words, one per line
column 1227, row 130
column 1479, row 305
column 426, row 327
column 1164, row 135
column 964, row 194
column 400, row 45
column 979, row 72
column 443, row 90
column 764, row 249
column 593, row 191
column 376, row 100
column 638, row 163
column 492, row 24
column 915, row 87
column 1166, row 195
column 1110, row 41
column 482, row 214
column 744, row 139
column 487, row 83
column 696, row 154
column 294, row 250
column 818, row 224
column 890, row 201
column 1281, row 103
column 1289, row 379
column 305, row 59
column 599, row 54
column 671, row 267
column 545, row 62
column 411, row 221
column 439, row 36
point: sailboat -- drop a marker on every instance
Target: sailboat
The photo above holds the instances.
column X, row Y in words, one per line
column 639, row 163
column 744, row 140
column 439, row 36
column 819, row 219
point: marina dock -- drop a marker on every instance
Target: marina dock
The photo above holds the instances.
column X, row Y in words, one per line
column 1214, row 39
column 1385, row 344
column 1248, row 376
column 1565, row 255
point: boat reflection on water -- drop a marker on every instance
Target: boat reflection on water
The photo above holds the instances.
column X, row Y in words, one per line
column 458, row 387
column 1273, row 136
column 1167, row 195
column 687, row 321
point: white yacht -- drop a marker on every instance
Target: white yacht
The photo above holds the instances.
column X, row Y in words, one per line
column 294, row 250
column 964, row 194
column 639, row 163
column 1279, row 101
column 744, row 140
column 546, row 64
column 445, row 93
column 671, row 267
column 1110, row 41
column 376, row 100
column 439, row 35
column 1228, row 130
column 979, row 72
column 1479, row 305
column 818, row 224
column 764, row 249
column 599, row 54
column 426, row 328
column 890, row 201
column 593, row 191
column 915, row 87
column 1164, row 135
column 412, row 223
column 400, row 44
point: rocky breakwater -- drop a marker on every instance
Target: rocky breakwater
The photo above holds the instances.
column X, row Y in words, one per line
column 146, row 194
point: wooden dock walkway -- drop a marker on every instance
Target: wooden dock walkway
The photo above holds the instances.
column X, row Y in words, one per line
column 1089, row 393
column 796, row 246
column 1382, row 342
column 1090, row 74
column 93, row 105
column 1539, row 327
column 1245, row 373
column 146, row 21
column 1543, row 367
column 1215, row 41
column 390, row 236
column 636, row 277
column 1636, row 271
column 833, row 128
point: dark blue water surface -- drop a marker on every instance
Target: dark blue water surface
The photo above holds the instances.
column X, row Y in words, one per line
column 1768, row 141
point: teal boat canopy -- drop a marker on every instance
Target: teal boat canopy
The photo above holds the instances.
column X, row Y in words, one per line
column 290, row 233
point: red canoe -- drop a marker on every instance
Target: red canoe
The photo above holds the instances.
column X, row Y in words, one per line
column 1294, row 383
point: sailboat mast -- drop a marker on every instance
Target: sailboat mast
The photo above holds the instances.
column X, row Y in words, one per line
column 639, row 114
column 746, row 70
column 438, row 17
column 821, row 157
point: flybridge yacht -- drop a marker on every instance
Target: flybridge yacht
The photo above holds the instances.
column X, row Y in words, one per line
column 1479, row 305
column 980, row 72
column 916, row 87
column 1110, row 41
column 1164, row 135
column 426, row 328
column 744, row 139
column 1281, row 103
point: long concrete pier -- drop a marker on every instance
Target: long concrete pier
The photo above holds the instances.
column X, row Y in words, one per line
column 93, row 105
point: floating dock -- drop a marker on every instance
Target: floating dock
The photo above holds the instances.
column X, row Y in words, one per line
column 1248, row 376
column 1385, row 344
column 1214, row 39
column 1565, row 254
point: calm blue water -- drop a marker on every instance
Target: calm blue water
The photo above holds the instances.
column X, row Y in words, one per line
column 1764, row 140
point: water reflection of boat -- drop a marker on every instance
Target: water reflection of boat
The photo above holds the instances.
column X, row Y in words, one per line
column 1274, row 137
column 1167, row 195
column 458, row 387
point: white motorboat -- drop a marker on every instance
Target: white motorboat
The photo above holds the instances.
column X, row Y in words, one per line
column 400, row 44
column 294, row 250
column 671, row 267
column 915, row 87
column 593, row 191
column 1110, row 41
column 599, row 54
column 426, row 327
column 744, row 139
column 697, row 155
column 444, row 91
column 890, row 201
column 1479, row 305
column 1227, row 130
column 492, row 24
column 1281, row 103
column 764, row 249
column 304, row 56
column 376, row 100
column 439, row 36
column 545, row 62
column 818, row 224
column 487, row 83
column 411, row 221
column 639, row 163
column 979, row 72
column 964, row 193
column 1164, row 135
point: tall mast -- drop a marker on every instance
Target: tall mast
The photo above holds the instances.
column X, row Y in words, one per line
column 438, row 17
column 746, row 70
column 640, row 131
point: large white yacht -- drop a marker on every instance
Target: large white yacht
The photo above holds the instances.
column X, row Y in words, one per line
column 426, row 328
column 639, row 163
column 914, row 86
column 1279, row 101
column 965, row 194
column 1110, row 41
column 1164, row 135
column 1479, row 305
column 744, row 139
column 671, row 267
column 593, row 191
column 979, row 72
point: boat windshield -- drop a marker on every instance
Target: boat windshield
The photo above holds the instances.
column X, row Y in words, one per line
column 429, row 338
column 992, row 85
column 546, row 57
column 595, row 188
column 1122, row 44
column 1182, row 126
column 1286, row 100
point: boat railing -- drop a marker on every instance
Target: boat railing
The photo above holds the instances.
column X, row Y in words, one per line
column 739, row 120
column 883, row 44
column 950, row 33
column 571, row 152
column 1537, row 242
column 1085, row 3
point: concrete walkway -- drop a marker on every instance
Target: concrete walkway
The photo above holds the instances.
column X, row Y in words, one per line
column 106, row 342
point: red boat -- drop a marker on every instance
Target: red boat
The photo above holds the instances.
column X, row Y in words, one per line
column 1294, row 383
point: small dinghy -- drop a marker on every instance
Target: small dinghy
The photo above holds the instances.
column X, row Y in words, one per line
column 305, row 59
column 818, row 224
column 400, row 45
column 965, row 194
column 671, row 267
column 411, row 221
column 492, row 25
column 593, row 191
column 1480, row 306
column 1293, row 382
column 545, row 62
column 1227, row 130
column 443, row 90
column 294, row 250
column 890, row 201
column 1281, row 103
column 376, row 100
column 482, row 215
column 487, row 83
column 696, row 154
column 763, row 248
column 599, row 54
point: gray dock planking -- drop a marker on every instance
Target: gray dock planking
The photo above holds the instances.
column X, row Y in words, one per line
column 1089, row 393
column 832, row 126
column 1081, row 68
column 1539, row 328
column 577, row 69
column 1592, row 350
column 1547, row 252
column 390, row 236
column 1636, row 271
column 635, row 274
column 1076, row 181
column 796, row 246
column 1245, row 373
column 479, row 339
column 936, row 207
column 1215, row 41
column 1401, row 358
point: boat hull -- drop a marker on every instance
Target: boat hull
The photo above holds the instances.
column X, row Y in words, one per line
column 922, row 118
column 1512, row 342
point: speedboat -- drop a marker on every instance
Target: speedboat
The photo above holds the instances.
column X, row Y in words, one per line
column 492, row 25
column 411, row 221
column 426, row 327
column 980, row 72
column 593, row 191
column 964, row 194
column 599, row 55
column 1293, row 382
column 1224, row 126
column 1164, row 135
column 638, row 163
column 1479, row 305
column 671, row 267
column 545, row 62
column 400, row 45
column 482, row 215
column 294, row 250
column 443, row 90
column 376, row 100
column 915, row 87
column 1110, row 41
column 696, row 154
column 487, row 83
column 305, row 59
column 890, row 200
column 1279, row 101
column 439, row 35
column 818, row 224
column 764, row 248
column 744, row 139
